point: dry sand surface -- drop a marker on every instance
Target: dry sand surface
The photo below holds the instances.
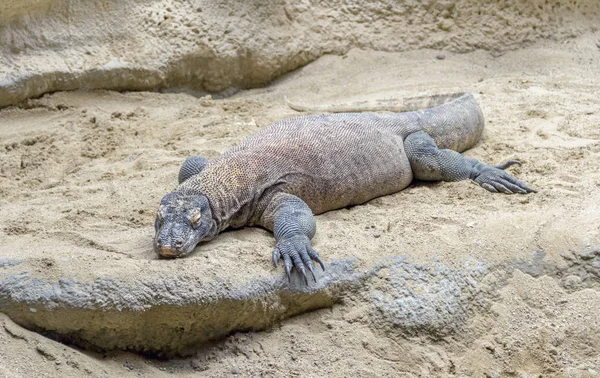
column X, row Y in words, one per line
column 82, row 172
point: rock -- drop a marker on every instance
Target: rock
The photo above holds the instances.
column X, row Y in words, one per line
column 160, row 314
column 133, row 46
column 167, row 314
column 446, row 24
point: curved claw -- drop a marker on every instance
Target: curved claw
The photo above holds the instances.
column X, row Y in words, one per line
column 315, row 256
column 287, row 262
column 298, row 264
column 507, row 164
column 308, row 263
column 303, row 271
column 297, row 252
column 312, row 271
column 520, row 184
column 276, row 255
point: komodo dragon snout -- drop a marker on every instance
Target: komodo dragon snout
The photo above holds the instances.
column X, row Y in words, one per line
column 181, row 223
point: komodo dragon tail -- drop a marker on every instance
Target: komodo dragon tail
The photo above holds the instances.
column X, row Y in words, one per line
column 454, row 120
column 382, row 105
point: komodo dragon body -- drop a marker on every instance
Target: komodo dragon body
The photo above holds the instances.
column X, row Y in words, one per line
column 282, row 175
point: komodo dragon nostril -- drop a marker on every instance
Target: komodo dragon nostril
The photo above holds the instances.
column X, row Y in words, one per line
column 179, row 243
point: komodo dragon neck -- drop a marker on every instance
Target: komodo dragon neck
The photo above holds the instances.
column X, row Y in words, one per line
column 233, row 190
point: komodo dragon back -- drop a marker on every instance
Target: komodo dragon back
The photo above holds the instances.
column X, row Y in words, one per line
column 288, row 171
column 446, row 128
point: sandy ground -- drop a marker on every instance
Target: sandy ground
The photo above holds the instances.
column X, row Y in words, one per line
column 82, row 172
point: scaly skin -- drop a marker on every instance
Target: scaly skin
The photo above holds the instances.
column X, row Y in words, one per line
column 282, row 175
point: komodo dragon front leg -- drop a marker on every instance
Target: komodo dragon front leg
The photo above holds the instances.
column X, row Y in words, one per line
column 428, row 162
column 287, row 216
column 191, row 167
column 293, row 225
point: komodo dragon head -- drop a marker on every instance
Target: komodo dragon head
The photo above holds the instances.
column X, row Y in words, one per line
column 181, row 223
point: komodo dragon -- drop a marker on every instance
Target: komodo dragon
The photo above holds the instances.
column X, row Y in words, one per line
column 282, row 175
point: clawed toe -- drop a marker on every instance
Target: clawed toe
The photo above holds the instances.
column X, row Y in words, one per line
column 496, row 180
column 507, row 164
column 315, row 256
column 296, row 252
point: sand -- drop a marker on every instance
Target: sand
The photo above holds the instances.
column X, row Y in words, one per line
column 82, row 172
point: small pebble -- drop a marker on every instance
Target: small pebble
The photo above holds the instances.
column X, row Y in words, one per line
column 440, row 57
column 588, row 255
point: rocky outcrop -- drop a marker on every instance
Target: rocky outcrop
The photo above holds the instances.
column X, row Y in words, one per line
column 218, row 46
column 170, row 314
column 157, row 314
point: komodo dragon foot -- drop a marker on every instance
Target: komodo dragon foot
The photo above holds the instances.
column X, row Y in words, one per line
column 494, row 179
column 293, row 225
column 298, row 252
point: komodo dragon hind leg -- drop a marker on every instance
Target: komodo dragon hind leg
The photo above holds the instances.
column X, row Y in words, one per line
column 428, row 162
column 191, row 167
column 293, row 225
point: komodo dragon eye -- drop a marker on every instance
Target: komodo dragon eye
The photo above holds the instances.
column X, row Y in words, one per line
column 195, row 220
